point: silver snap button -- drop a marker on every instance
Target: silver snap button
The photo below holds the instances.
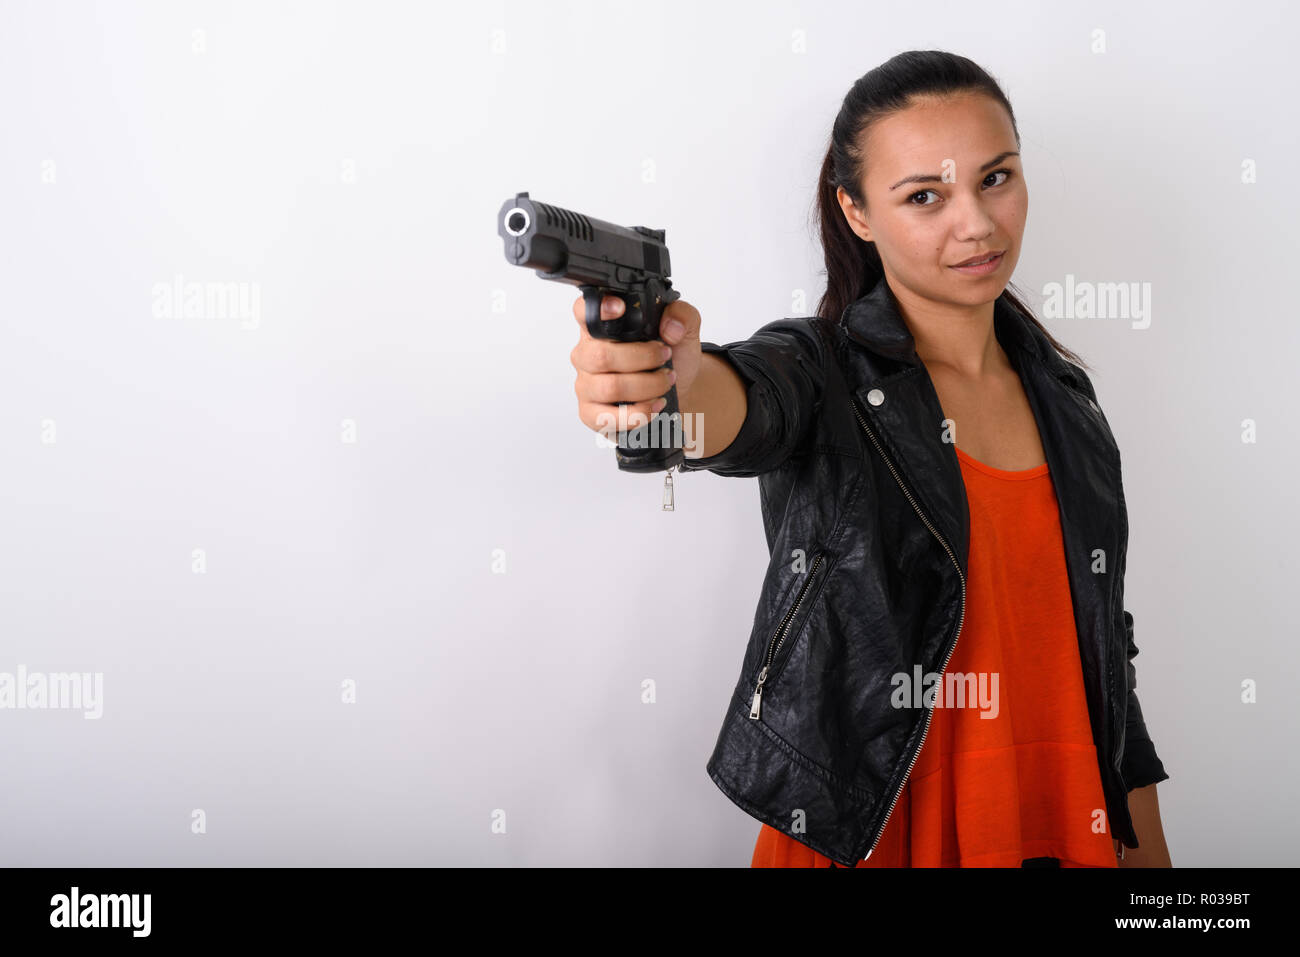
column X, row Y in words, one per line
column 1094, row 406
column 875, row 397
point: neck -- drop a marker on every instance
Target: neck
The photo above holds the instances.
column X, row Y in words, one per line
column 958, row 337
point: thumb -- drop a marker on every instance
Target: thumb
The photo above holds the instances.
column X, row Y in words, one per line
column 679, row 322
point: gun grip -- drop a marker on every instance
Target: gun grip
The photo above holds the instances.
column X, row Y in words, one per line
column 655, row 446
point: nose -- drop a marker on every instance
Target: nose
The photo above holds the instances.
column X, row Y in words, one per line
column 973, row 223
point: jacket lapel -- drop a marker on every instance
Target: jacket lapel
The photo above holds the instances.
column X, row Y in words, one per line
column 908, row 417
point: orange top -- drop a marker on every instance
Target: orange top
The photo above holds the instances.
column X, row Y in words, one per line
column 1014, row 773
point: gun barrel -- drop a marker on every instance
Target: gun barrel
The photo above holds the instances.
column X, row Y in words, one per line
column 570, row 247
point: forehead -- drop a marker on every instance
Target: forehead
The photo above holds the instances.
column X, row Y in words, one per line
column 969, row 129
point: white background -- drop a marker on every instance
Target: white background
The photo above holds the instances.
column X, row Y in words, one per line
column 350, row 159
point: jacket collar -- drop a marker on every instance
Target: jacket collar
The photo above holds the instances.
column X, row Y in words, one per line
column 875, row 322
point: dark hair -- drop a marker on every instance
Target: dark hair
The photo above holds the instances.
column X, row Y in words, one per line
column 853, row 266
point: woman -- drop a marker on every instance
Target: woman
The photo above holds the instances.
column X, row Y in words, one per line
column 940, row 671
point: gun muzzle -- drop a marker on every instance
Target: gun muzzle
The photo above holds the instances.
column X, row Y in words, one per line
column 569, row 247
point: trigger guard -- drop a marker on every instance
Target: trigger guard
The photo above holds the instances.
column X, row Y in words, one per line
column 621, row 328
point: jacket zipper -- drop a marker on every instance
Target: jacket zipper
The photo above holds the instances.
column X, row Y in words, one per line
column 960, row 620
column 778, row 639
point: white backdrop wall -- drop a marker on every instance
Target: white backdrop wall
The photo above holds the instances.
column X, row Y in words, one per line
column 358, row 583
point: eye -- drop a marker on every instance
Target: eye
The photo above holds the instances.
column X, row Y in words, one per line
column 997, row 172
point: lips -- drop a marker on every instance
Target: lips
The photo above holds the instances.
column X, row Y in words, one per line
column 982, row 258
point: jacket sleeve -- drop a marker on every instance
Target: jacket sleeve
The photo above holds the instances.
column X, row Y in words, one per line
column 1140, row 765
column 783, row 366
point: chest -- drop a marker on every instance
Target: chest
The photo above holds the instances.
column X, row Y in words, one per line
column 992, row 422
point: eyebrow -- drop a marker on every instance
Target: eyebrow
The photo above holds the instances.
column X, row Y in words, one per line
column 932, row 178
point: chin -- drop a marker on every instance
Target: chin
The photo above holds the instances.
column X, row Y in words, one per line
column 971, row 294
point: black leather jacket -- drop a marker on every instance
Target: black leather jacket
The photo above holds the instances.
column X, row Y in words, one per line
column 867, row 526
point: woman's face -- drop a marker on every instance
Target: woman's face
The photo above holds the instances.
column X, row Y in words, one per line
column 944, row 183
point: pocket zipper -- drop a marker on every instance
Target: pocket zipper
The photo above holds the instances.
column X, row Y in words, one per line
column 774, row 645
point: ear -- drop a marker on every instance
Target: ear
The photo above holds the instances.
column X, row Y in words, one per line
column 857, row 222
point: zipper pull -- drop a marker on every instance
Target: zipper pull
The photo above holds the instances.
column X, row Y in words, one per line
column 758, row 694
column 668, row 491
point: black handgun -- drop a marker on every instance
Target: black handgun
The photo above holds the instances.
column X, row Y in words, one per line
column 603, row 259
